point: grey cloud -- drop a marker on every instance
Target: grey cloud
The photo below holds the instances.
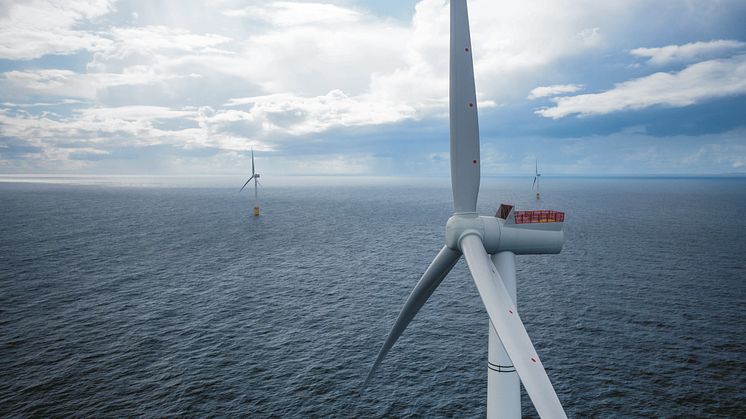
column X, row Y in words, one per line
column 16, row 148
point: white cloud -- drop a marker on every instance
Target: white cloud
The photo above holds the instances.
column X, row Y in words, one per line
column 686, row 52
column 274, row 72
column 225, row 129
column 136, row 113
column 42, row 104
column 311, row 49
column 303, row 115
column 66, row 83
column 515, row 42
column 97, row 127
column 145, row 39
column 31, row 29
column 696, row 83
column 95, row 133
column 554, row 90
column 286, row 13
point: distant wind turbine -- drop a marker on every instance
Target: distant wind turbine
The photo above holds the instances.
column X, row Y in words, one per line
column 508, row 233
column 255, row 176
column 537, row 176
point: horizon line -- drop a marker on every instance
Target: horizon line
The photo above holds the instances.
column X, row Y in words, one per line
column 358, row 175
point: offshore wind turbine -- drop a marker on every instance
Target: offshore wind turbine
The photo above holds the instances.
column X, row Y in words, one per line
column 489, row 245
column 255, row 176
column 537, row 175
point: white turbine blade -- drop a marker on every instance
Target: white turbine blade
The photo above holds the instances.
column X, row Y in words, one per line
column 534, row 184
column 433, row 276
column 247, row 182
column 463, row 114
column 252, row 163
column 509, row 327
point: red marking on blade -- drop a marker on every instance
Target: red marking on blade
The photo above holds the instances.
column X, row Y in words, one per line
column 533, row 359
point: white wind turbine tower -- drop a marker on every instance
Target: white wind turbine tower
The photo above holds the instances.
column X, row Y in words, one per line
column 489, row 245
column 255, row 176
column 537, row 175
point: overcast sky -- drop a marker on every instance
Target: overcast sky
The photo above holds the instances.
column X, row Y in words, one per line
column 360, row 87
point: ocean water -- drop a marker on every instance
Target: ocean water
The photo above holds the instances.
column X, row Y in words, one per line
column 153, row 301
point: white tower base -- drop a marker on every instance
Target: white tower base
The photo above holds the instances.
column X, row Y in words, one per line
column 503, row 383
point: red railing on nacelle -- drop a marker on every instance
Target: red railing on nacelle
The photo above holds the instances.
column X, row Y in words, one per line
column 539, row 216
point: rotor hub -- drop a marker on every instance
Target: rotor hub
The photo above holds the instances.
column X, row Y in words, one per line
column 462, row 225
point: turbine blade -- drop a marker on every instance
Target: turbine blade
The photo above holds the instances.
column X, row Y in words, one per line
column 433, row 276
column 252, row 163
column 247, row 182
column 534, row 184
column 509, row 327
column 463, row 114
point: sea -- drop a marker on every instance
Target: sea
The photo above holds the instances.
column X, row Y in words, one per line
column 133, row 297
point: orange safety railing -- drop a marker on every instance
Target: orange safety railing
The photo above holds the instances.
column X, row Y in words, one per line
column 539, row 216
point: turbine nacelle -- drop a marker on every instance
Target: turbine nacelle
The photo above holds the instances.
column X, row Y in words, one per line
column 529, row 237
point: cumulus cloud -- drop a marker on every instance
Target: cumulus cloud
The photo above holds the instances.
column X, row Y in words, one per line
column 31, row 29
column 554, row 90
column 686, row 52
column 302, row 115
column 334, row 46
column 287, row 13
column 696, row 83
column 92, row 125
column 70, row 84
column 129, row 40
column 229, row 75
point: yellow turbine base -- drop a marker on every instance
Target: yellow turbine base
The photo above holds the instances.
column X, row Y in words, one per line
column 256, row 211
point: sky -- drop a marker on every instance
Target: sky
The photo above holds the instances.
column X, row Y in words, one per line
column 349, row 87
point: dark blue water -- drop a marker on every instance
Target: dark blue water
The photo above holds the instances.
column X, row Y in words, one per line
column 120, row 301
